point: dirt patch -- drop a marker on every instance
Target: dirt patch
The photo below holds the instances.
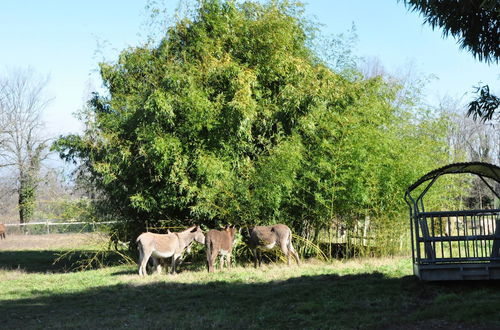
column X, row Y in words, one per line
column 50, row 241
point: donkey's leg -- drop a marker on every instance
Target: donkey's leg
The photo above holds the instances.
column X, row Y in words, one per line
column 180, row 260
column 210, row 265
column 141, row 258
column 174, row 260
column 294, row 253
column 255, row 258
column 211, row 261
column 286, row 250
column 144, row 262
column 164, row 264
column 157, row 264
column 221, row 261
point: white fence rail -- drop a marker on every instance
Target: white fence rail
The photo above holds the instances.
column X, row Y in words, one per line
column 45, row 226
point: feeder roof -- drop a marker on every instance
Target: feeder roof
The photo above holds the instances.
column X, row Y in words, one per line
column 481, row 169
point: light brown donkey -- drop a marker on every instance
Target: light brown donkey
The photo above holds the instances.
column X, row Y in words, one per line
column 165, row 246
column 3, row 230
column 267, row 237
column 219, row 242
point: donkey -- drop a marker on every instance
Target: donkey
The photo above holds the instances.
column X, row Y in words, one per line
column 266, row 237
column 219, row 242
column 3, row 230
column 168, row 245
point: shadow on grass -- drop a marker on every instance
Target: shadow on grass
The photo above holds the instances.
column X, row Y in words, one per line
column 47, row 261
column 184, row 267
column 362, row 301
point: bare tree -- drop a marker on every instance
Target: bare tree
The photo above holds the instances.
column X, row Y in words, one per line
column 471, row 141
column 22, row 145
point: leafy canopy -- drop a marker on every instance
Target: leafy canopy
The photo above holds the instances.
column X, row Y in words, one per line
column 232, row 118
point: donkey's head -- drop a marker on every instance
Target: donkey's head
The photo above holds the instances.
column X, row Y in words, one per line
column 198, row 234
column 231, row 230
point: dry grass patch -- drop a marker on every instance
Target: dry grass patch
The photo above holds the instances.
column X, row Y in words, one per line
column 8, row 275
column 51, row 241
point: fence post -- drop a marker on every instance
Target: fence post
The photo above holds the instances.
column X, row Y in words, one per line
column 47, row 224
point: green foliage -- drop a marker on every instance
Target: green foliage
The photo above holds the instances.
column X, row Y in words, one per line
column 27, row 197
column 475, row 24
column 233, row 118
column 68, row 209
column 485, row 105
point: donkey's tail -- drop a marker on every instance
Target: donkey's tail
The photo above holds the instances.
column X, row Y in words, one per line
column 138, row 238
column 141, row 250
column 291, row 248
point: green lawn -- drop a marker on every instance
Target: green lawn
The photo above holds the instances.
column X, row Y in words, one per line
column 354, row 294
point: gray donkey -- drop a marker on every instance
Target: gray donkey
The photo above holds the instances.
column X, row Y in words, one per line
column 219, row 242
column 167, row 245
column 266, row 238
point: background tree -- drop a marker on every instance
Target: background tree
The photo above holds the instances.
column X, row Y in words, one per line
column 476, row 26
column 470, row 141
column 23, row 147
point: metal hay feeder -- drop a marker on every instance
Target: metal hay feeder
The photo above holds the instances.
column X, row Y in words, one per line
column 455, row 245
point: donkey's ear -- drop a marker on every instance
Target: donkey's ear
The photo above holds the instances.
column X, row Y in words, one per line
column 195, row 228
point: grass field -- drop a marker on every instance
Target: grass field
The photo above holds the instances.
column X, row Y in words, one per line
column 354, row 294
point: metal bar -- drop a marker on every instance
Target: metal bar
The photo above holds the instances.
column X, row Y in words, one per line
column 458, row 238
column 449, row 233
column 458, row 232
column 473, row 224
column 462, row 212
column 484, row 220
column 496, row 243
column 422, row 194
column 466, row 231
column 490, row 231
column 429, row 251
column 452, row 260
column 421, row 204
column 408, row 196
column 491, row 188
column 433, row 234
column 441, row 234
column 417, row 235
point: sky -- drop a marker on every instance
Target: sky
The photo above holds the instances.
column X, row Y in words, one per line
column 66, row 40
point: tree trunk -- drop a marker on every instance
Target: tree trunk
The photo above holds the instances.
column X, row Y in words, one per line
column 27, row 189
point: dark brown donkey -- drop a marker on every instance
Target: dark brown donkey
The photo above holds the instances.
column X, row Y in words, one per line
column 3, row 230
column 219, row 242
column 267, row 237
